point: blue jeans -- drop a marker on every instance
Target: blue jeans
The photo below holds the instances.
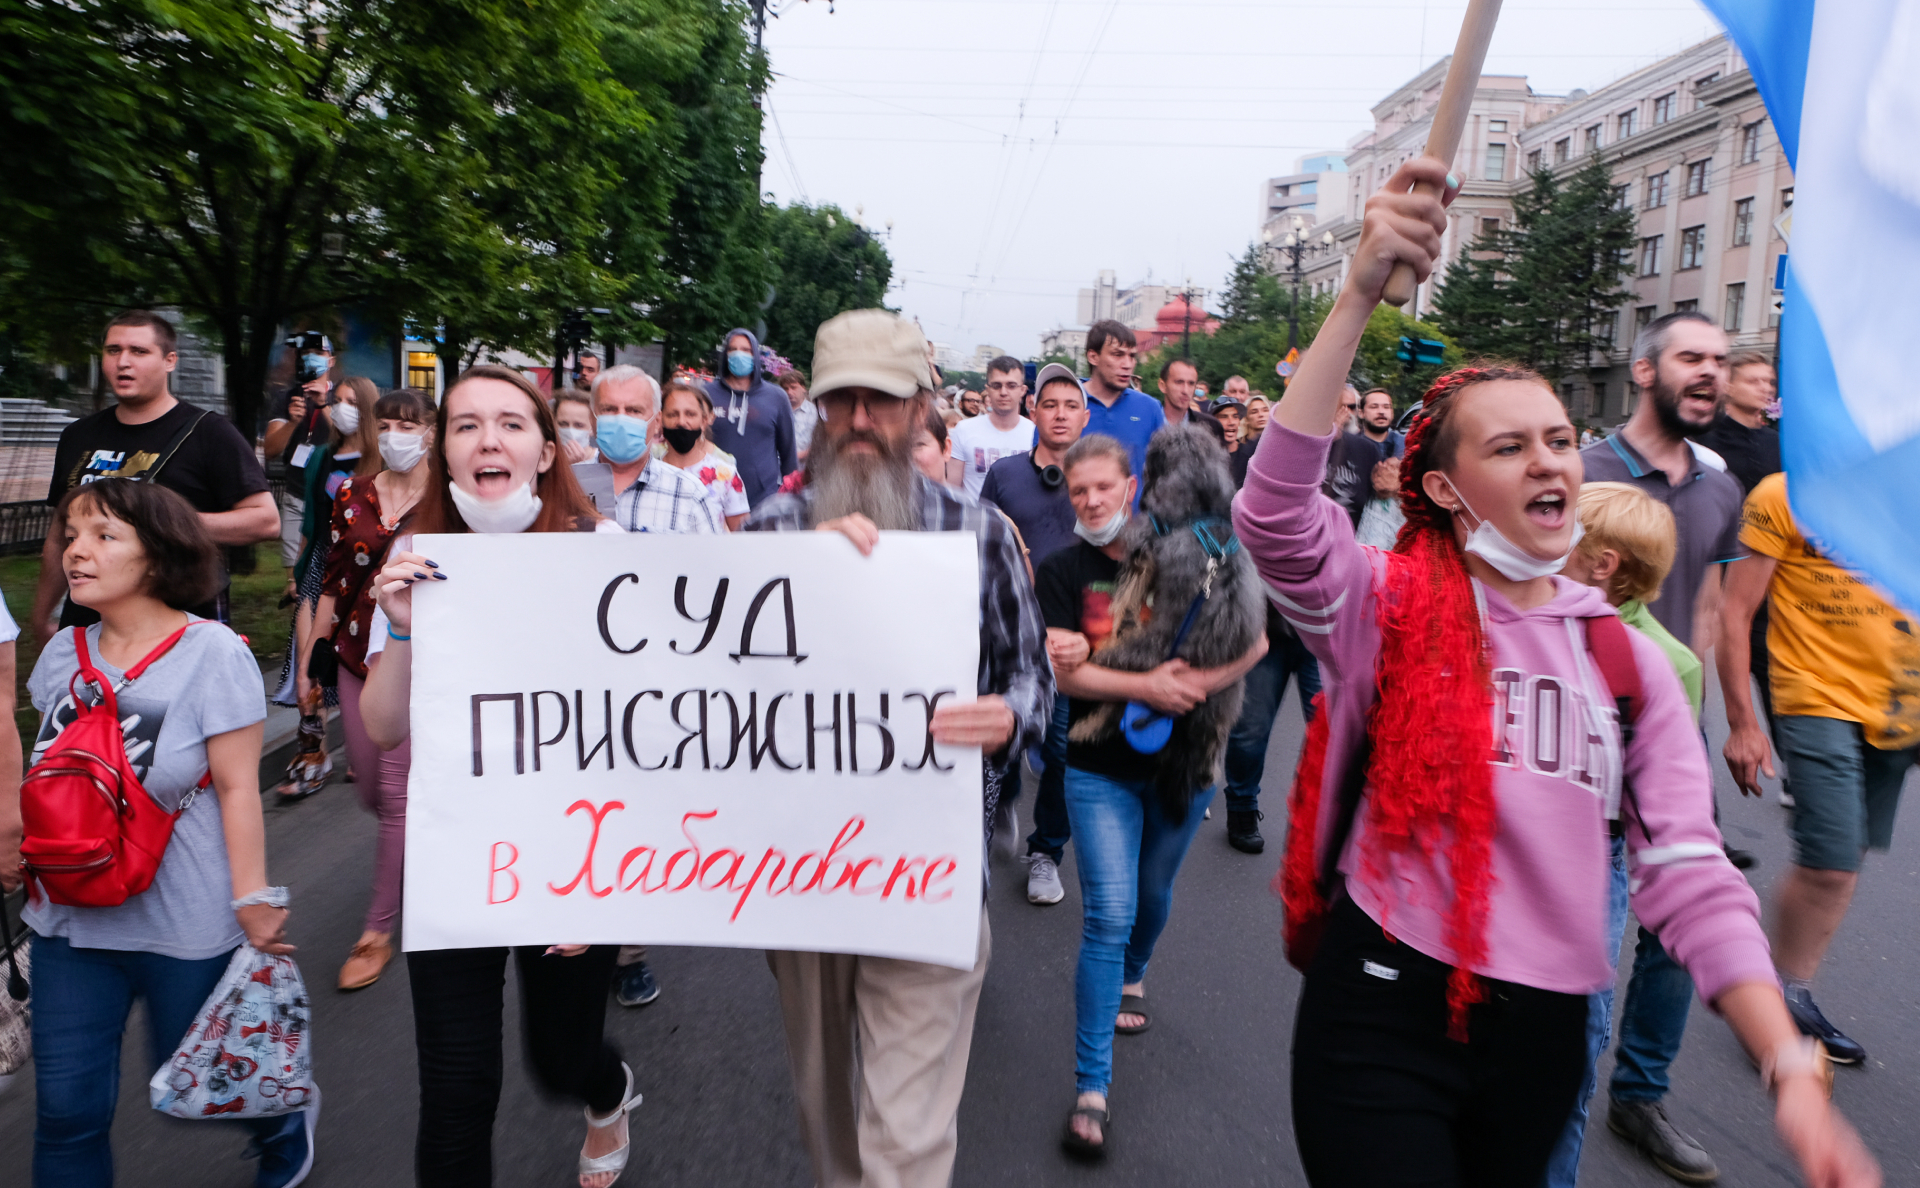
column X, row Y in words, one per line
column 1652, row 1023
column 1129, row 853
column 1564, row 1167
column 1051, row 827
column 81, row 999
column 1266, row 684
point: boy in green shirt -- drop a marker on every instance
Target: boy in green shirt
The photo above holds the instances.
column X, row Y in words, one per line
column 1627, row 551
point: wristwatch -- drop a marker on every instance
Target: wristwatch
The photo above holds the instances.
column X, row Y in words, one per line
column 1804, row 1056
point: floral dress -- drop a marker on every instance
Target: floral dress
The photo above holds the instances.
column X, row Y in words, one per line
column 359, row 546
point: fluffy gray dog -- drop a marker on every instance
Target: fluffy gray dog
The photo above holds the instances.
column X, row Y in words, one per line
column 1187, row 485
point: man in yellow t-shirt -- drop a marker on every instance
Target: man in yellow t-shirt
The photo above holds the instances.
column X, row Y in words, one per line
column 1845, row 674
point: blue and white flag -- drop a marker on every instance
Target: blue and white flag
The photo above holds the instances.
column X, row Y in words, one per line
column 1841, row 80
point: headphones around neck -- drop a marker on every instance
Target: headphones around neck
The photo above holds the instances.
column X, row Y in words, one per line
column 1051, row 476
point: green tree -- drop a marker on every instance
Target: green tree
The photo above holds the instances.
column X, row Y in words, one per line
column 825, row 263
column 1544, row 290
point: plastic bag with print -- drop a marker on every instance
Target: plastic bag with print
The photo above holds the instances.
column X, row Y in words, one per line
column 249, row 1051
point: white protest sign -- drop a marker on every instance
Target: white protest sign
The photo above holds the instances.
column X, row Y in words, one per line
column 695, row 740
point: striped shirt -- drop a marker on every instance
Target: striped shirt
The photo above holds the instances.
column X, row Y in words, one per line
column 1013, row 637
column 665, row 499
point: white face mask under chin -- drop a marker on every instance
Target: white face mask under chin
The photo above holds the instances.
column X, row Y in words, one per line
column 1509, row 560
column 513, row 513
column 1102, row 536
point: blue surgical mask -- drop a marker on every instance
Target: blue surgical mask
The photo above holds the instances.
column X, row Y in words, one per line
column 739, row 363
column 622, row 439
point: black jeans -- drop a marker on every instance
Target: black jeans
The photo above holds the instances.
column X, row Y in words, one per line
column 457, row 1003
column 1382, row 1096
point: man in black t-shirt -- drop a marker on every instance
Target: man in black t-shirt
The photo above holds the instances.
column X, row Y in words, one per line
column 1740, row 434
column 148, row 434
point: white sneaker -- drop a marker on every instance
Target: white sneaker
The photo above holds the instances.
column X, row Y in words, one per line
column 1786, row 798
column 1043, row 880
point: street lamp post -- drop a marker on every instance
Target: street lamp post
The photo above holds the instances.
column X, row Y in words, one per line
column 1296, row 247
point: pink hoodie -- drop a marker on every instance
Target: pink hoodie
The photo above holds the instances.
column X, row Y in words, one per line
column 1557, row 761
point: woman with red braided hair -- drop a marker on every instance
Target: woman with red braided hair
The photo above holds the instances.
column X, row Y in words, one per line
column 1447, row 866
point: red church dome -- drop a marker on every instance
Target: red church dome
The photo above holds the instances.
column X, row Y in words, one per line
column 1173, row 317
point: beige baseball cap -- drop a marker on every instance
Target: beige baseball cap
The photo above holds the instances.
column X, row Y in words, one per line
column 870, row 348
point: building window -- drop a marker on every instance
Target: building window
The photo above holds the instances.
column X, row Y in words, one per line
column 1786, row 199
column 1697, row 173
column 1626, row 124
column 1657, row 190
column 1693, row 248
column 1533, row 161
column 1496, row 125
column 1496, row 162
column 1750, row 143
column 1489, row 226
column 1686, row 307
column 1600, row 399
column 1743, row 222
column 1562, row 149
column 1623, row 196
column 420, row 370
column 1606, row 329
column 1650, row 255
column 1736, row 307
column 1593, row 139
column 1663, row 109
column 1702, row 85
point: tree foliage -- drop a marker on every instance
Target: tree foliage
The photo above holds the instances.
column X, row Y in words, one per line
column 825, row 263
column 481, row 165
column 1544, row 289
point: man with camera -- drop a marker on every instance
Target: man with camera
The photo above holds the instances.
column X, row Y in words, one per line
column 296, row 426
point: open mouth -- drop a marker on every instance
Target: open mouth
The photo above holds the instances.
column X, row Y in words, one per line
column 492, row 482
column 1548, row 509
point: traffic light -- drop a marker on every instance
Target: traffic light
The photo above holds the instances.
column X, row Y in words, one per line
column 1421, row 352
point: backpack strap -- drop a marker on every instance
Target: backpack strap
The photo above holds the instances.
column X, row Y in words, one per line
column 166, row 645
column 1611, row 650
column 1612, row 653
column 173, row 447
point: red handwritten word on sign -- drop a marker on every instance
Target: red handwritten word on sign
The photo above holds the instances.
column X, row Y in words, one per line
column 692, row 867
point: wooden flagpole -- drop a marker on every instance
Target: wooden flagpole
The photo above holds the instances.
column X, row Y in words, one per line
column 1450, row 117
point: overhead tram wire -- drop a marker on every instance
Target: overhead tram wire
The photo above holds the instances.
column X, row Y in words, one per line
column 793, row 170
column 1009, row 145
column 1040, row 172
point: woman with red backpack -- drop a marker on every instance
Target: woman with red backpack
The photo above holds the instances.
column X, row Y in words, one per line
column 149, row 914
column 1447, row 863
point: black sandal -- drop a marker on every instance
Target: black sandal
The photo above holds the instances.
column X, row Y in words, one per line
column 1132, row 1004
column 1077, row 1145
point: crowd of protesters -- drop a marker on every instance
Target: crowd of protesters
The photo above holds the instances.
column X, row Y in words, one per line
column 1462, row 851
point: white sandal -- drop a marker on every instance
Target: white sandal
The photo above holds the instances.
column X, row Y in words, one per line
column 613, row 1161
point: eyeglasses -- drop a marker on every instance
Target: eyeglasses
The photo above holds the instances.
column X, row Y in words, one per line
column 880, row 409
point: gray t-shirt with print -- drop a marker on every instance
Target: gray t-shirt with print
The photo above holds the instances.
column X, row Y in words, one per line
column 208, row 684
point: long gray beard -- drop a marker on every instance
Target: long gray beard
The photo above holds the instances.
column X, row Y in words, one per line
column 879, row 488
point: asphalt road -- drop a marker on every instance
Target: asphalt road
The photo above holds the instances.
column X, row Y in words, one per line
column 1201, row 1099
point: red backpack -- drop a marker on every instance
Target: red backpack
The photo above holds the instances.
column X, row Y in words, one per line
column 94, row 834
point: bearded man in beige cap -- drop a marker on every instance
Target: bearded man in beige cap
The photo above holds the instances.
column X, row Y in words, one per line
column 878, row 1045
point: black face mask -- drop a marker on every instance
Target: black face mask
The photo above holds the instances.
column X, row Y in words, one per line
column 681, row 441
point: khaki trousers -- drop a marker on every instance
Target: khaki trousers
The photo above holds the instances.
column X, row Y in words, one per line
column 879, row 1051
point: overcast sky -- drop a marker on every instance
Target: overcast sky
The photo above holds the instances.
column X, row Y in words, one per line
column 1018, row 147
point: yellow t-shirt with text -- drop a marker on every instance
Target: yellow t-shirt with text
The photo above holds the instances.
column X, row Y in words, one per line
column 1837, row 649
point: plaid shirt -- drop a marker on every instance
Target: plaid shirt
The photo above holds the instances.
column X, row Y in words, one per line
column 665, row 499
column 1013, row 637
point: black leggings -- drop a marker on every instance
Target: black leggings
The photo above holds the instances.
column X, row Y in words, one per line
column 1383, row 1099
column 457, row 1003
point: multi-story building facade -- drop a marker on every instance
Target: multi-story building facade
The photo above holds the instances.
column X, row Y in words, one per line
column 1137, row 307
column 1691, row 151
column 1299, row 192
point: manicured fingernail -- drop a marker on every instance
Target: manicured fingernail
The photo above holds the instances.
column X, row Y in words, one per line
column 431, row 565
column 439, row 577
column 1453, row 183
column 421, row 576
